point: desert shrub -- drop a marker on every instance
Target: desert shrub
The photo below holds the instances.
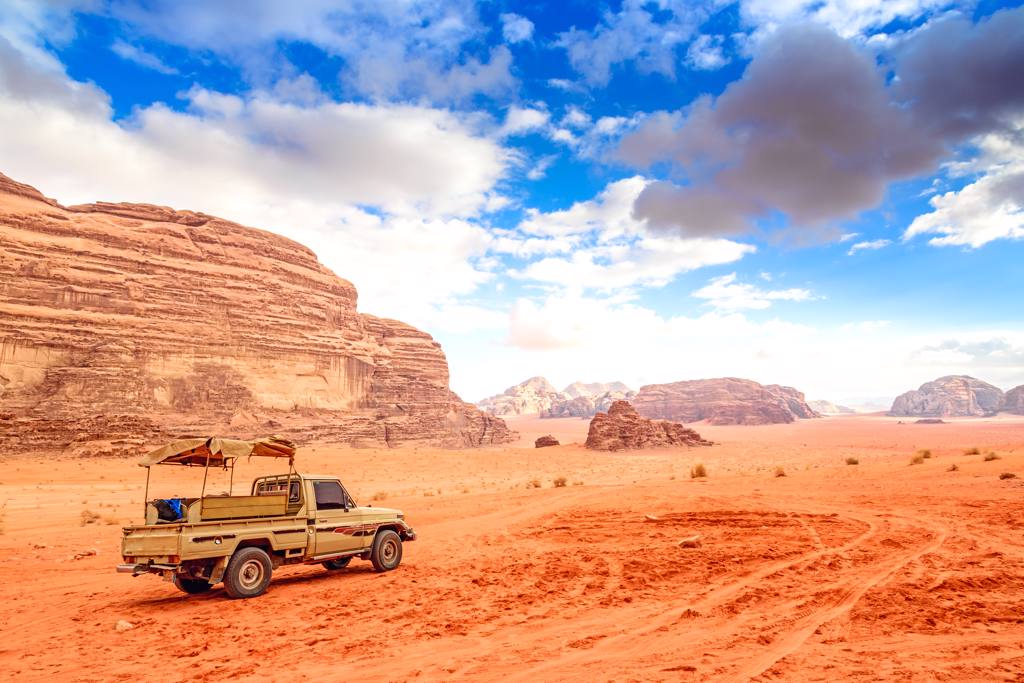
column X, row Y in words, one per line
column 577, row 483
column 89, row 517
column 533, row 484
column 1007, row 475
column 917, row 459
column 990, row 456
column 698, row 471
column 559, row 482
column 779, row 472
column 972, row 451
column 428, row 494
column 380, row 495
column 852, row 461
column 954, row 468
column 925, row 453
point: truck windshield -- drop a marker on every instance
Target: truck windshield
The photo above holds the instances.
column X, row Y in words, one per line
column 329, row 495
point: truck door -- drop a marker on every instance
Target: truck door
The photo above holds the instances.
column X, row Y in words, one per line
column 338, row 523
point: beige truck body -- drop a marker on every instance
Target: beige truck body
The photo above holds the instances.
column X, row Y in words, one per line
column 294, row 519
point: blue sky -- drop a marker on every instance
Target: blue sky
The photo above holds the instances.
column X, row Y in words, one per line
column 822, row 194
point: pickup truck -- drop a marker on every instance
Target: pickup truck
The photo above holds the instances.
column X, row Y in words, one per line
column 286, row 519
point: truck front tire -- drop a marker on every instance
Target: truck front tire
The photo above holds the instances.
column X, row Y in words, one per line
column 248, row 573
column 387, row 551
column 190, row 586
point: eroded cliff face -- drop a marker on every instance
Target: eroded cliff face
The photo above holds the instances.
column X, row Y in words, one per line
column 128, row 322
column 722, row 401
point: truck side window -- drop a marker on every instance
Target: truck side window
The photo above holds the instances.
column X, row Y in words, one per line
column 329, row 495
column 293, row 492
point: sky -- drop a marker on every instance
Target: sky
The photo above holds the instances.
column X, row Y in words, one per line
column 825, row 194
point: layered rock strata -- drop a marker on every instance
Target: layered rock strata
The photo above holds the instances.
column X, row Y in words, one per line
column 622, row 428
column 724, row 401
column 1013, row 401
column 132, row 322
column 950, row 396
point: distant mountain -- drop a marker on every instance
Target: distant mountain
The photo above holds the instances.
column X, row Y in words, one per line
column 1013, row 401
column 950, row 396
column 537, row 396
column 829, row 408
column 722, row 401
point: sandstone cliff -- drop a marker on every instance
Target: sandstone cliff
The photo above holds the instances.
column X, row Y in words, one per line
column 127, row 322
column 950, row 396
column 622, row 428
column 722, row 402
column 1013, row 401
column 537, row 396
column 529, row 397
column 829, row 408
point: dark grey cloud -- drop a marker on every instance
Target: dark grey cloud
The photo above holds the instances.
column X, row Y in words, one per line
column 814, row 129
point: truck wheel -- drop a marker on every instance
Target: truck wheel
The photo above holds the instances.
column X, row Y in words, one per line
column 339, row 563
column 387, row 551
column 190, row 586
column 248, row 573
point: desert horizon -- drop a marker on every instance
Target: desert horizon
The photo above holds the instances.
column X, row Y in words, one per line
column 641, row 340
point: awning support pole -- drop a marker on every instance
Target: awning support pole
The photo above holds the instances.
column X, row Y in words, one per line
column 145, row 497
column 231, row 481
column 206, row 471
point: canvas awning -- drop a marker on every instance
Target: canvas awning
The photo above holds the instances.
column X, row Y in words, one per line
column 216, row 451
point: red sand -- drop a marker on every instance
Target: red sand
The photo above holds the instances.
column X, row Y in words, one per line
column 879, row 571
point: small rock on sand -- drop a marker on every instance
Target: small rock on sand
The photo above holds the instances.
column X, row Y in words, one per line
column 690, row 542
column 123, row 625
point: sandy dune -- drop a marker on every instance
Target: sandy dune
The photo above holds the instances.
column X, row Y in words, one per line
column 879, row 571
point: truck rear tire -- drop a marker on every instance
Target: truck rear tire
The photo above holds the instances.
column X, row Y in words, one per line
column 339, row 563
column 248, row 573
column 387, row 551
column 190, row 586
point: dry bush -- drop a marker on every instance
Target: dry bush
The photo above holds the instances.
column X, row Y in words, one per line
column 954, row 468
column 110, row 520
column 533, row 484
column 972, row 451
column 1007, row 475
column 852, row 461
column 89, row 517
column 917, row 459
column 559, row 482
column 380, row 495
column 577, row 483
column 428, row 494
column 925, row 453
column 779, row 472
column 698, row 471
column 990, row 456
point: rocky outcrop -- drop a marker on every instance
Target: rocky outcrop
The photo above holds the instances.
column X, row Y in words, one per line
column 1013, row 401
column 829, row 408
column 950, row 396
column 129, row 321
column 545, row 441
column 622, row 428
column 537, row 396
column 725, row 401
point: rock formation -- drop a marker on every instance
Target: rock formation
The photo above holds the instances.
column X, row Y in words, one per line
column 724, row 401
column 1013, row 401
column 950, row 396
column 622, row 428
column 829, row 408
column 122, row 323
column 537, row 396
column 545, row 441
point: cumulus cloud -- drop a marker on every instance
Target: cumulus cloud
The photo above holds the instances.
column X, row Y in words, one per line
column 814, row 131
column 706, row 53
column 726, row 293
column 846, row 17
column 391, row 50
column 868, row 245
column 520, row 120
column 636, row 33
column 516, row 28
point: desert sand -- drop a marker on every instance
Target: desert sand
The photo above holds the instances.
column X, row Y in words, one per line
column 883, row 570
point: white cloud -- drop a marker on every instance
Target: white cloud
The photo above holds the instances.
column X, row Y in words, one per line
column 575, row 118
column 539, row 169
column 135, row 54
column 516, row 28
column 706, row 53
column 848, row 18
column 519, row 120
column 847, row 236
column 726, row 293
column 988, row 209
column 868, row 246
